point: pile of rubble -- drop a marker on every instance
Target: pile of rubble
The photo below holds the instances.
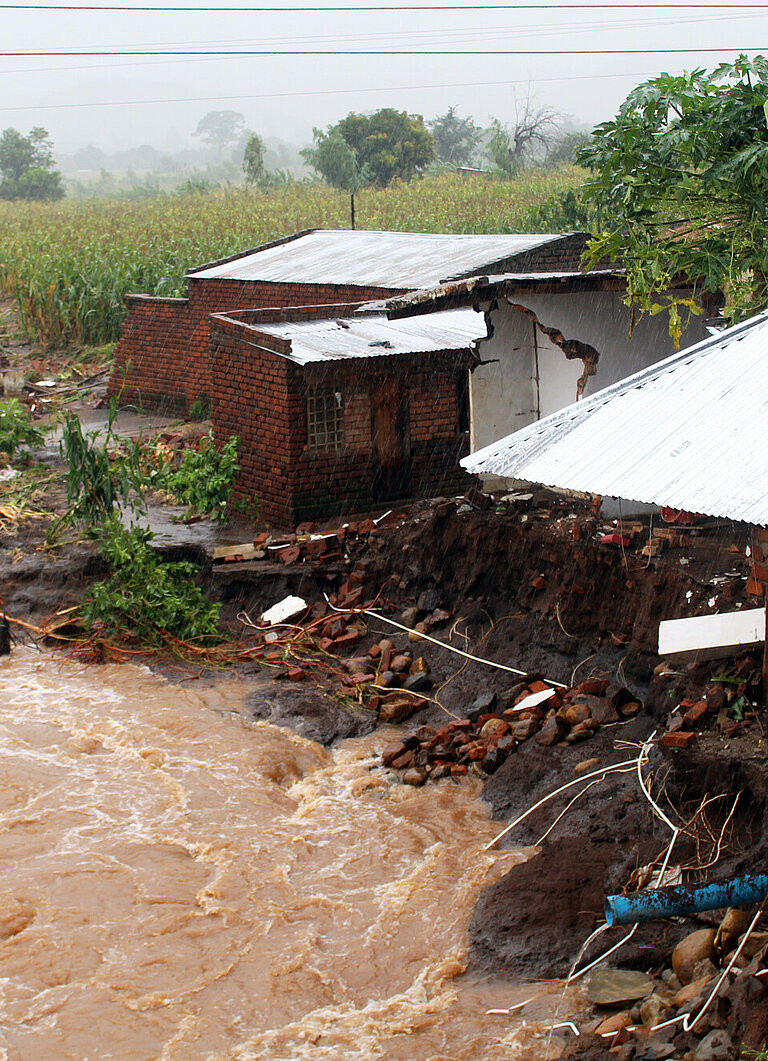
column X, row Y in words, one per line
column 685, row 1011
column 497, row 722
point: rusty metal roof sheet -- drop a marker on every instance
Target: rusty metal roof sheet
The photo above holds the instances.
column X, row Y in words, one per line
column 472, row 289
column 375, row 336
column 689, row 433
column 399, row 260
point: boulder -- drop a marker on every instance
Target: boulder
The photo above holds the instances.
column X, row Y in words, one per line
column 691, row 950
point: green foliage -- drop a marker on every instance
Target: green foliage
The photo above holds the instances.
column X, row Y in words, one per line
column 27, row 166
column 335, row 161
column 200, row 409
column 380, row 147
column 96, row 482
column 527, row 139
column 253, row 160
column 16, row 428
column 203, row 479
column 681, row 178
column 146, row 599
column 456, row 139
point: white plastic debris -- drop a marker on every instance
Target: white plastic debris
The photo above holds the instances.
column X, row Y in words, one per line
column 283, row 610
column 535, row 698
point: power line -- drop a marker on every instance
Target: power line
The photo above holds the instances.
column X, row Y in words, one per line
column 325, row 92
column 421, row 53
column 388, row 8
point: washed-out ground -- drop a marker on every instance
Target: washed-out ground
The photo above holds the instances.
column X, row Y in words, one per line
column 528, row 584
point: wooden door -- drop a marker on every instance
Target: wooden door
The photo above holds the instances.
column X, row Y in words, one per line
column 391, row 440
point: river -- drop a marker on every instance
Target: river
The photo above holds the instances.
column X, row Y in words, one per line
column 179, row 883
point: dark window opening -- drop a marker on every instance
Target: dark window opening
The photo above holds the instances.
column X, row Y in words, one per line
column 462, row 399
column 325, row 419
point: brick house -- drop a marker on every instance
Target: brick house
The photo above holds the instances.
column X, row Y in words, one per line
column 162, row 359
column 339, row 409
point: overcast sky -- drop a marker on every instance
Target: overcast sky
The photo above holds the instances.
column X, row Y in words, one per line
column 122, row 101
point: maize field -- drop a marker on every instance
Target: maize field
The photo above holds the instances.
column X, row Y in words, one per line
column 70, row 264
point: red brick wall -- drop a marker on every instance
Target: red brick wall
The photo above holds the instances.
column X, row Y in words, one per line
column 261, row 397
column 162, row 360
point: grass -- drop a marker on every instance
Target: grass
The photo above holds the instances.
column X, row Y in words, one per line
column 70, row 264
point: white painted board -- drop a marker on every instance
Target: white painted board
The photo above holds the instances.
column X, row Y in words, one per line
column 712, row 636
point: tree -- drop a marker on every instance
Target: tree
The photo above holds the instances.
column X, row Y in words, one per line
column 379, row 147
column 219, row 128
column 335, row 161
column 681, row 179
column 253, row 160
column 456, row 139
column 529, row 136
column 27, row 166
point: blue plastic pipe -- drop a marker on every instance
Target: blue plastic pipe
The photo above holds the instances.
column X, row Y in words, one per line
column 685, row 899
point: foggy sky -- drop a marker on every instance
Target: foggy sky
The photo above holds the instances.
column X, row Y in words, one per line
column 117, row 102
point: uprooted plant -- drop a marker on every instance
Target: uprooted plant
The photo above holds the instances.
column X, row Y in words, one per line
column 145, row 601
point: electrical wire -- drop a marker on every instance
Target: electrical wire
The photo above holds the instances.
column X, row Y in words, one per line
column 389, row 52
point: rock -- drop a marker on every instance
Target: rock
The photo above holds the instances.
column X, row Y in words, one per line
column 428, row 601
column 552, row 732
column 524, row 729
column 705, row 967
column 388, row 678
column 481, row 706
column 630, row 709
column 410, row 616
column 691, row 991
column 653, row 1010
column 396, row 707
column 403, row 761
column 508, row 697
column 492, row 760
column 439, row 616
column 418, row 683
column 614, row 1023
column 581, row 732
column 392, row 752
column 577, row 713
column 594, row 686
column 494, row 727
column 689, row 951
column 610, row 986
column 417, row 632
column 400, row 664
column 734, row 924
column 714, row 1046
column 755, row 944
column 415, row 775
column 586, row 765
column 419, row 665
column 600, row 708
column 310, row 714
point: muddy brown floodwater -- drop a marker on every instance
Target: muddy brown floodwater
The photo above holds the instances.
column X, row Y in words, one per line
column 179, row 882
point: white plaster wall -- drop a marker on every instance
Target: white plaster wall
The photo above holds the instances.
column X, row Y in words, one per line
column 504, row 394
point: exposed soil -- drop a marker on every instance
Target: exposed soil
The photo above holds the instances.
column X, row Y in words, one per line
column 531, row 586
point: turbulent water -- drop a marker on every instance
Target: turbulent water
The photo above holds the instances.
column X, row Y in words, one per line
column 180, row 883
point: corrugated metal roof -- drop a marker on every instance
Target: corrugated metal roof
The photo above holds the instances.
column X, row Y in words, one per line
column 379, row 259
column 689, row 432
column 375, row 336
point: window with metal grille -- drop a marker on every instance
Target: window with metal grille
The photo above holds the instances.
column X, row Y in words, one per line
column 325, row 419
